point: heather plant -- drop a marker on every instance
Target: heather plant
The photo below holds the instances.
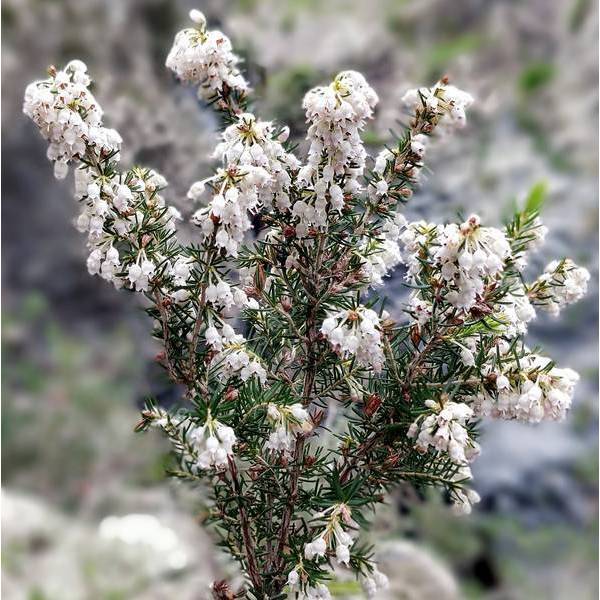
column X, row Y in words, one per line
column 304, row 401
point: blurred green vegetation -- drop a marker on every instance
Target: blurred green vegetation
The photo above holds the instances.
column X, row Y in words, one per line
column 284, row 91
column 535, row 76
column 69, row 407
column 442, row 53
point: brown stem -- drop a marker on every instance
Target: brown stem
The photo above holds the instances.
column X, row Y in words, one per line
column 246, row 533
column 195, row 334
column 309, row 381
column 362, row 450
column 164, row 319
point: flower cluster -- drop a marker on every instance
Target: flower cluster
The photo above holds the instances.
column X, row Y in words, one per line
column 444, row 430
column 117, row 212
column 205, row 58
column 463, row 498
column 214, row 443
column 374, row 582
column 124, row 215
column 287, row 422
column 221, row 295
column 317, row 592
column 337, row 113
column 396, row 170
column 230, row 356
column 333, row 536
column 447, row 102
column 68, row 116
column 467, row 257
column 371, row 583
column 530, row 389
column 255, row 173
column 515, row 311
column 204, row 446
column 356, row 332
column 336, row 157
column 382, row 254
column 562, row 283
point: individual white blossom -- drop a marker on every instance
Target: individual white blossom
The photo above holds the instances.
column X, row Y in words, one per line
column 418, row 144
column 467, row 350
column 381, row 161
column 293, row 578
column 463, row 498
column 197, row 189
column 316, row 548
column 318, row 592
column 181, row 270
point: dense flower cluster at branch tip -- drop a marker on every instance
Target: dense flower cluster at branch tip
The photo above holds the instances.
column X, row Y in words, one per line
column 304, row 401
column 205, row 58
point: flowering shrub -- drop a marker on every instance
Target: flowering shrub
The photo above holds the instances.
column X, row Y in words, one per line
column 300, row 425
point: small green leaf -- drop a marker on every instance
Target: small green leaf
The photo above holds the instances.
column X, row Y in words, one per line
column 536, row 198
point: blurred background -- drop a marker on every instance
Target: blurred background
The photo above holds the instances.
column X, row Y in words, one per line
column 86, row 512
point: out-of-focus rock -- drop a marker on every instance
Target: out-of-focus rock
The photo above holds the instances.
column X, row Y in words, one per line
column 414, row 573
column 153, row 556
